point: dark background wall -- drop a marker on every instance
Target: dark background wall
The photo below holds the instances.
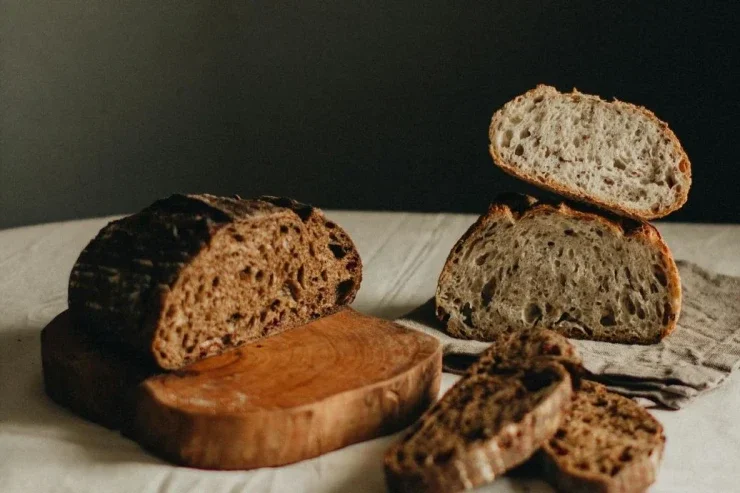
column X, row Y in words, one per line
column 106, row 106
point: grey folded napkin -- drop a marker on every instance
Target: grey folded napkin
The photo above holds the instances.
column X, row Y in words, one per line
column 697, row 357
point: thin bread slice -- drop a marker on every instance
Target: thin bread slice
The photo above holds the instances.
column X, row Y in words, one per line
column 614, row 155
column 528, row 263
column 606, row 444
column 487, row 423
column 522, row 347
column 193, row 275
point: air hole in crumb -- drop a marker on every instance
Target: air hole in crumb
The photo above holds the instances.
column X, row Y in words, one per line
column 237, row 237
column 629, row 305
column 640, row 312
column 467, row 313
column 667, row 315
column 532, row 313
column 283, row 229
column 626, row 455
column 537, row 381
column 551, row 244
column 236, row 316
column 519, row 150
column 660, row 276
column 506, row 142
column 524, row 134
column 569, row 232
column 538, row 99
column 324, row 276
column 216, row 281
column 343, row 290
column 338, row 250
column 443, row 456
column 481, row 259
column 608, row 181
column 487, row 292
column 170, row 312
column 259, row 276
column 608, row 320
column 619, row 164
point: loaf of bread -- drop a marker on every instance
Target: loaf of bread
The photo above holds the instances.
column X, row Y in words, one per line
column 192, row 275
column 606, row 444
column 615, row 155
column 495, row 417
column 528, row 263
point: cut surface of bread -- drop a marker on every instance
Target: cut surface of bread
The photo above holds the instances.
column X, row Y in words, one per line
column 612, row 154
column 532, row 264
column 487, row 423
column 192, row 275
column 607, row 444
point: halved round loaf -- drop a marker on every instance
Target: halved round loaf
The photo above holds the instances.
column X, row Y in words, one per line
column 606, row 444
column 527, row 264
column 487, row 423
column 192, row 275
column 614, row 155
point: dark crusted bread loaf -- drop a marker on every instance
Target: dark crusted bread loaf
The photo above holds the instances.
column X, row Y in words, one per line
column 192, row 275
column 528, row 263
column 491, row 420
column 606, row 444
column 614, row 155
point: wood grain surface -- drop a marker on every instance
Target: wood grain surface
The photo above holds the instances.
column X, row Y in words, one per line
column 339, row 380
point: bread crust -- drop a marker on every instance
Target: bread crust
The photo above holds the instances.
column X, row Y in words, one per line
column 121, row 282
column 573, row 192
column 636, row 475
column 517, row 206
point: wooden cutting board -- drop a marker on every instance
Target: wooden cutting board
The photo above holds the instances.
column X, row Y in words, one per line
column 338, row 380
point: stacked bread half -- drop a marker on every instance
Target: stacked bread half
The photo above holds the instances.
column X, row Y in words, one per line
column 589, row 268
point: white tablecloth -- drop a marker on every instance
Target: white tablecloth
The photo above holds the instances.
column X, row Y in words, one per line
column 45, row 448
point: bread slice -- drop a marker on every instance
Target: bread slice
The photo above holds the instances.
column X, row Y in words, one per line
column 491, row 420
column 614, row 155
column 528, row 263
column 192, row 275
column 523, row 347
column 607, row 444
